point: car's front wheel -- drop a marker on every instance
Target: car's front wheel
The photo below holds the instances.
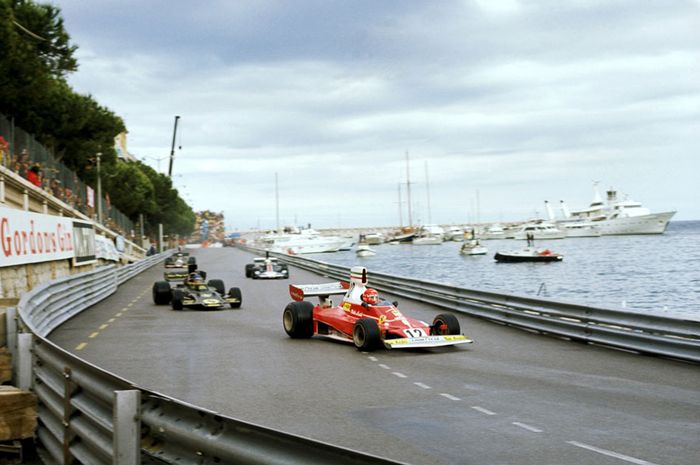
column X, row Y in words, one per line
column 298, row 319
column 366, row 335
column 177, row 300
column 445, row 324
column 217, row 284
column 235, row 293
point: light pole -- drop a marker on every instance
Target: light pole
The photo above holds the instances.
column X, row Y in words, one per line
column 156, row 159
column 172, row 148
column 99, row 190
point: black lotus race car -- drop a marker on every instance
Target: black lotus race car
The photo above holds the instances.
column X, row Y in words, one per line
column 194, row 293
column 266, row 268
column 180, row 260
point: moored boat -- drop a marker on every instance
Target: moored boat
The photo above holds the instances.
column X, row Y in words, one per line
column 621, row 217
column 472, row 247
column 540, row 230
column 364, row 250
column 529, row 254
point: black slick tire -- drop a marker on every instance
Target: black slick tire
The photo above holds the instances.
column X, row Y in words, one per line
column 177, row 300
column 161, row 293
column 298, row 320
column 366, row 335
column 236, row 292
column 445, row 324
column 217, row 284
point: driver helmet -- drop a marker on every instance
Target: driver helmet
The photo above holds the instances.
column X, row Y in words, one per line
column 370, row 296
column 195, row 278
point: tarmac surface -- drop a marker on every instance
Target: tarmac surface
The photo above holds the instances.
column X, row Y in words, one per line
column 512, row 397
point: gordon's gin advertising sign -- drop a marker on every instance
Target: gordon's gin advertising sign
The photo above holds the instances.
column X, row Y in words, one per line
column 32, row 237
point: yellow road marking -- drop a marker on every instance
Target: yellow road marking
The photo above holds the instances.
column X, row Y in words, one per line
column 81, row 346
column 103, row 326
column 118, row 314
column 130, row 305
column 111, row 320
column 94, row 335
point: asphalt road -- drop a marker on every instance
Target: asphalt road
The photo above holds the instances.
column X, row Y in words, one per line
column 513, row 397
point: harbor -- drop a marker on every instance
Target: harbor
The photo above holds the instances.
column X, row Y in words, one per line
column 645, row 273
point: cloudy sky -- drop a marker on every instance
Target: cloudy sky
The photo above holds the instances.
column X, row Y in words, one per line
column 499, row 104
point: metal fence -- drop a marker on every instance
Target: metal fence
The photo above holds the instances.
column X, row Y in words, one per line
column 20, row 152
column 90, row 416
column 641, row 332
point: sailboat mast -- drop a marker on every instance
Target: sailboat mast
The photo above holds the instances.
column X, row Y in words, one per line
column 400, row 212
column 408, row 191
column 427, row 191
column 277, row 204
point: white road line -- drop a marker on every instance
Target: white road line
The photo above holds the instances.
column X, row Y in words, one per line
column 373, row 359
column 421, row 385
column 386, row 367
column 449, row 396
column 527, row 427
column 483, row 410
column 610, row 453
column 400, row 375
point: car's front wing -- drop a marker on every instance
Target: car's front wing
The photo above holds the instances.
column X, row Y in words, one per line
column 426, row 341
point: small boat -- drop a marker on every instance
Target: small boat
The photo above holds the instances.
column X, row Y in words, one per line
column 364, row 250
column 472, row 247
column 539, row 230
column 529, row 254
column 454, row 233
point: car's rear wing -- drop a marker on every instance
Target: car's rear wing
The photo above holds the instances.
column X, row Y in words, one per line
column 300, row 291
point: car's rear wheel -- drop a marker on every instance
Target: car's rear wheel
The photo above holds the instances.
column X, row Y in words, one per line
column 236, row 293
column 217, row 284
column 366, row 335
column 161, row 293
column 177, row 300
column 445, row 324
column 298, row 319
column 191, row 261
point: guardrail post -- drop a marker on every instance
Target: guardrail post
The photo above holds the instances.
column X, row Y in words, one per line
column 127, row 427
column 2, row 189
column 24, row 360
column 25, row 202
column 11, row 321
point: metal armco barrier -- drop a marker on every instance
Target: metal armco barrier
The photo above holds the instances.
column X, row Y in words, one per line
column 641, row 332
column 90, row 416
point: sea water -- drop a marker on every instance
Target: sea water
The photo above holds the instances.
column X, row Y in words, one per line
column 646, row 273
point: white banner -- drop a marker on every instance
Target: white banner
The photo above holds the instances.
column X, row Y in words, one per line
column 32, row 237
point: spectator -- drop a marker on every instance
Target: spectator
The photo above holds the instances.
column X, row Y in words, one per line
column 34, row 176
column 151, row 251
column 4, row 151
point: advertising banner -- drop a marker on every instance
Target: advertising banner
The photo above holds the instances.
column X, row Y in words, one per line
column 84, row 242
column 33, row 237
column 90, row 197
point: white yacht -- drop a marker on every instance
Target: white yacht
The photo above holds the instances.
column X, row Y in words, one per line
column 303, row 242
column 429, row 235
column 495, row 231
column 539, row 230
column 622, row 217
column 454, row 233
column 573, row 227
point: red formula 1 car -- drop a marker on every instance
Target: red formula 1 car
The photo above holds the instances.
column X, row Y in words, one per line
column 363, row 319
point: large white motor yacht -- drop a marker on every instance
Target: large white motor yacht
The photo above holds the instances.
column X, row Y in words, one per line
column 540, row 230
column 622, row 217
column 304, row 242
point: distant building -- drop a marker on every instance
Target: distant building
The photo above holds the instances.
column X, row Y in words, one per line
column 120, row 147
column 208, row 226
